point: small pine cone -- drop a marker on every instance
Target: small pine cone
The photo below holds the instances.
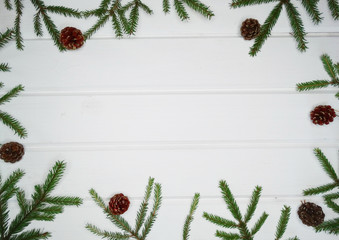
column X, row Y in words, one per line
column 323, row 114
column 250, row 29
column 311, row 214
column 12, row 152
column 118, row 204
column 71, row 38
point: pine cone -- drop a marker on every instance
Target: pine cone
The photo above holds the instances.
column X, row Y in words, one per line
column 250, row 29
column 118, row 204
column 323, row 114
column 311, row 214
column 71, row 38
column 12, row 152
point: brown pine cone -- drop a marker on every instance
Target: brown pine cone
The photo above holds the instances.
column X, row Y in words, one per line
column 250, row 29
column 323, row 114
column 71, row 38
column 12, row 152
column 118, row 204
column 311, row 214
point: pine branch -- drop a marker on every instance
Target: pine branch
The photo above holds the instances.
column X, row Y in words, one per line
column 65, row 11
column 230, row 201
column 116, row 26
column 330, row 226
column 199, row 7
column 105, row 234
column 227, row 236
column 336, row 66
column 253, row 204
column 145, row 8
column 1, row 85
column 8, row 4
column 189, row 218
column 11, row 94
column 100, row 23
column 4, row 67
column 133, row 19
column 320, row 189
column 337, row 95
column 330, row 203
column 64, row 201
column 18, row 38
column 297, row 25
column 181, row 11
column 245, row 3
column 329, row 66
column 222, row 222
column 141, row 215
column 53, row 31
column 257, row 226
column 33, row 234
column 334, row 8
column 13, row 124
column 312, row 10
column 266, row 29
column 37, row 25
column 283, row 221
column 306, row 86
column 166, row 6
column 6, row 37
column 326, row 165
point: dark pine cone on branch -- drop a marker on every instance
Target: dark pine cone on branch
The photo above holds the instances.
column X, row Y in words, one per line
column 250, row 29
column 311, row 214
column 323, row 114
column 71, row 38
column 118, row 204
column 12, row 152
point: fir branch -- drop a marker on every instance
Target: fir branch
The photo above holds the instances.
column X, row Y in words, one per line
column 222, row 222
column 326, row 165
column 245, row 3
column 37, row 25
column 4, row 67
column 189, row 218
column 133, row 19
column 166, row 6
column 100, row 23
column 116, row 26
column 336, row 66
column 257, row 226
column 199, row 7
column 253, row 204
column 334, row 8
column 94, row 13
column 145, row 8
column 8, row 4
column 13, row 124
column 337, row 95
column 330, row 203
column 312, row 10
column 22, row 202
column 11, row 94
column 104, row 4
column 105, row 234
column 297, row 25
column 153, row 215
column 6, row 37
column 306, row 86
column 227, row 236
column 34, row 234
column 330, row 226
column 283, row 221
column 17, row 22
column 329, row 66
column 141, row 215
column 230, row 201
column 1, row 85
column 181, row 11
column 320, row 189
column 124, row 21
column 64, row 201
column 53, row 31
column 266, row 29
column 65, row 11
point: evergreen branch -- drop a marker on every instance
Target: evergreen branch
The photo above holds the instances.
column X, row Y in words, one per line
column 8, row 4
column 33, row 234
column 283, row 221
column 4, row 67
column 6, row 37
column 330, row 226
column 20, row 196
column 330, row 203
column 17, row 22
column 337, row 95
column 64, row 201
column 336, row 66
column 259, row 224
column 96, row 12
column 145, row 8
column 297, row 26
column 53, row 210
column 329, row 66
column 306, row 86
column 326, row 165
column 11, row 181
column 13, row 124
column 65, row 11
column 116, row 26
column 11, row 94
column 105, row 234
column 334, row 8
column 124, row 21
column 53, row 31
column 54, row 176
column 266, row 29
column 166, row 6
column 181, row 11
column 37, row 25
column 100, row 23
column 227, row 236
column 312, row 10
column 320, row 189
column 104, row 4
column 141, row 215
column 229, row 200
column 189, row 218
column 245, row 3
column 199, row 7
column 222, row 222
column 253, row 204
column 128, row 6
column 1, row 85
column 153, row 215
column 133, row 19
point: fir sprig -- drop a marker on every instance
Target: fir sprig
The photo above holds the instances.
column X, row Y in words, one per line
column 189, row 218
column 332, row 71
column 241, row 223
column 329, row 226
column 37, row 209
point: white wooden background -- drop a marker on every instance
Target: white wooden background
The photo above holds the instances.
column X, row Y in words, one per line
column 182, row 102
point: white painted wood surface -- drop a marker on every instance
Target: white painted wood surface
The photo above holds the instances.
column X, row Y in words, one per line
column 182, row 102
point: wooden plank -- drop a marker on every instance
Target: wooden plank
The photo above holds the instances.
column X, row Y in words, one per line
column 166, row 65
column 281, row 172
column 226, row 21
